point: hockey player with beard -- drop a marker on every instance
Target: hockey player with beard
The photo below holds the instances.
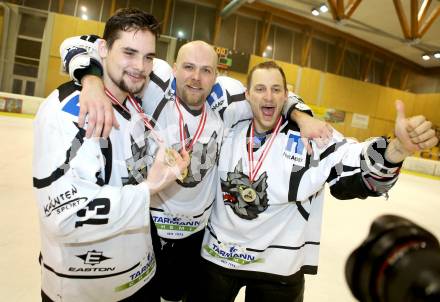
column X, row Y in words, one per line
column 264, row 230
column 92, row 197
column 186, row 105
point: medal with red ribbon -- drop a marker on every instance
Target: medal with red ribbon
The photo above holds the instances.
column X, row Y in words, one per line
column 138, row 109
column 200, row 127
column 247, row 192
column 183, row 137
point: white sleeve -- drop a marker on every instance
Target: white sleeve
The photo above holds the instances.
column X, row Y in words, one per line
column 78, row 53
column 228, row 100
column 73, row 202
column 357, row 170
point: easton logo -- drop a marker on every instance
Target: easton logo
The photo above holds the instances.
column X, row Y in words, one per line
column 93, row 257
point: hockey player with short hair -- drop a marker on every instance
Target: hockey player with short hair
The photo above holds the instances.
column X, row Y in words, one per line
column 264, row 230
column 93, row 195
column 187, row 105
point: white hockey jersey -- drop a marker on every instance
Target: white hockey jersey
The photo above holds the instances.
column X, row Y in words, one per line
column 279, row 232
column 183, row 208
column 93, row 204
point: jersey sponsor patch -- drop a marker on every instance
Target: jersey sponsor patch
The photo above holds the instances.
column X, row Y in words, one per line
column 72, row 106
column 295, row 149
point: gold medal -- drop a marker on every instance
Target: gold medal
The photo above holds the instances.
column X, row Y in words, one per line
column 169, row 158
column 183, row 175
column 248, row 194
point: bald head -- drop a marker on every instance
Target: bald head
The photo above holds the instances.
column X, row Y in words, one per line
column 195, row 71
column 198, row 47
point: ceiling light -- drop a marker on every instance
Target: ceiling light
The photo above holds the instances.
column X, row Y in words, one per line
column 426, row 57
column 323, row 8
column 83, row 8
column 437, row 55
column 180, row 34
column 84, row 17
column 315, row 12
column 269, row 48
column 264, row 54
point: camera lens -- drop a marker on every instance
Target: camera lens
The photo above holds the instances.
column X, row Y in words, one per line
column 399, row 261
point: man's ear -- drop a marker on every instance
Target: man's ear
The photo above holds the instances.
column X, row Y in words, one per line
column 174, row 69
column 246, row 93
column 102, row 48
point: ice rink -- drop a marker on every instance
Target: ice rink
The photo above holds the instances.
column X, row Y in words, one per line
column 346, row 223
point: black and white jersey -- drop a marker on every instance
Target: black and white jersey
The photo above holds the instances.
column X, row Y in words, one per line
column 184, row 207
column 277, row 231
column 92, row 202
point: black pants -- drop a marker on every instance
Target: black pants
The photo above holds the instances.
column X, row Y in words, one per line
column 148, row 293
column 178, row 264
column 218, row 284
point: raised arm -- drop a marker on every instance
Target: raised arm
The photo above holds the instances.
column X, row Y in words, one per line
column 371, row 168
column 81, row 61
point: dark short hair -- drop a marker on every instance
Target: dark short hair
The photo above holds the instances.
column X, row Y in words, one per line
column 126, row 19
column 266, row 65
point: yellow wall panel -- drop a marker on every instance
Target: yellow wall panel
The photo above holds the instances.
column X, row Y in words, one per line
column 336, row 92
column 386, row 108
column 429, row 106
column 88, row 27
column 63, row 27
column 290, row 70
column 54, row 76
column 363, row 98
column 309, row 85
column 238, row 76
column 381, row 127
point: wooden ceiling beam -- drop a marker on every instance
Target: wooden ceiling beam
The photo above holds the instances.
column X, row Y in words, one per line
column 402, row 18
column 388, row 73
column 307, row 46
column 340, row 9
column 351, row 7
column 265, row 33
column 340, row 59
column 332, row 6
column 414, row 21
column 367, row 67
column 423, row 10
column 259, row 9
column 218, row 22
column 166, row 17
column 427, row 24
column 404, row 79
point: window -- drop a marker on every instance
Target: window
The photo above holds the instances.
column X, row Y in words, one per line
column 245, row 34
column 89, row 9
column 297, row 48
column 351, row 66
column 283, row 44
column 40, row 4
column 318, row 58
column 227, row 32
column 204, row 25
column 183, row 19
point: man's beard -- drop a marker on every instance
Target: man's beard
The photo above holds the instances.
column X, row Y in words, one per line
column 191, row 101
column 121, row 84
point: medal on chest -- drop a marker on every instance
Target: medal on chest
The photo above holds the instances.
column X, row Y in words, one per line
column 248, row 193
column 188, row 146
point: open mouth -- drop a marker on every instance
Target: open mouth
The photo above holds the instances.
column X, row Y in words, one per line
column 268, row 111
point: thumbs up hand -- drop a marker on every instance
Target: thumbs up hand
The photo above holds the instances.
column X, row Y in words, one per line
column 414, row 133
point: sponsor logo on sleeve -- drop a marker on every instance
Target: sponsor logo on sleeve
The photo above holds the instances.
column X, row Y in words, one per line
column 295, row 149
